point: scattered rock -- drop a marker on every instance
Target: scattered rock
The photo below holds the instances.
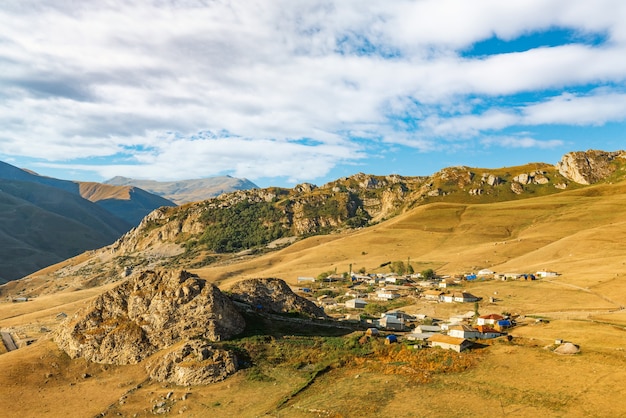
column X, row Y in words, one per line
column 567, row 348
column 517, row 188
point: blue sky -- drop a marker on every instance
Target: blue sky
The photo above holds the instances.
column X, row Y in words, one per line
column 283, row 91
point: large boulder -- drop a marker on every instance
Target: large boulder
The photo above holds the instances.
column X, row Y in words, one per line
column 274, row 295
column 147, row 313
column 194, row 363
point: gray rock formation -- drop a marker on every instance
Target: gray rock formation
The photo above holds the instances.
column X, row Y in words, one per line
column 273, row 295
column 195, row 363
column 588, row 167
column 147, row 313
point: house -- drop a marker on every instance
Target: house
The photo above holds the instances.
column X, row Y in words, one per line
column 391, row 322
column 400, row 315
column 356, row 303
column 485, row 273
column 463, row 331
column 433, row 295
column 449, row 343
column 490, row 319
column 486, row 332
column 465, row 297
column 427, row 328
column 448, row 298
column 546, row 273
column 387, row 295
column 419, row 336
column 306, row 279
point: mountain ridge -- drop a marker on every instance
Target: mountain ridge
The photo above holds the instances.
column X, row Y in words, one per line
column 245, row 223
column 186, row 191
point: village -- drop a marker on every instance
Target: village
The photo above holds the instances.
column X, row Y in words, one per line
column 388, row 305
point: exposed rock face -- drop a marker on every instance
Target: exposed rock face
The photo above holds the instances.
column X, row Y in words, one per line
column 273, row 295
column 147, row 313
column 195, row 363
column 588, row 167
column 517, row 188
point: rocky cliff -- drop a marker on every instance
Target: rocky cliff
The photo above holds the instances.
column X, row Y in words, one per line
column 149, row 312
column 589, row 167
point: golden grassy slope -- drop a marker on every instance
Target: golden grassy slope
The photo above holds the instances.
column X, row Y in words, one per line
column 578, row 233
column 95, row 192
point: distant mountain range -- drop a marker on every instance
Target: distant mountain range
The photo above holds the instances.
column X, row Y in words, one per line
column 185, row 191
column 44, row 220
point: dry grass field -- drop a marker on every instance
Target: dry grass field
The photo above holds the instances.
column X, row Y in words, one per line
column 579, row 233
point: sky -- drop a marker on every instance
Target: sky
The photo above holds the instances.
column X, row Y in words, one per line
column 289, row 91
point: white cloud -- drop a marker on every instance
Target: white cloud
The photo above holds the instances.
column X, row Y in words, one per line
column 90, row 79
column 521, row 142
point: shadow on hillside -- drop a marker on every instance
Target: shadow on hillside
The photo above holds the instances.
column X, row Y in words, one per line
column 281, row 325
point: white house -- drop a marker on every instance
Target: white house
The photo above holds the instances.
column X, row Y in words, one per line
column 306, row 279
column 448, row 298
column 465, row 297
column 546, row 273
column 427, row 328
column 384, row 294
column 463, row 331
column 486, row 272
column 433, row 295
column 391, row 322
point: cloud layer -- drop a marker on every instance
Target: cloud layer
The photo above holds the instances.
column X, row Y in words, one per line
column 172, row 89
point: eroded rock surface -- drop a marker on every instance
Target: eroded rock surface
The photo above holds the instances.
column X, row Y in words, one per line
column 194, row 363
column 588, row 167
column 147, row 313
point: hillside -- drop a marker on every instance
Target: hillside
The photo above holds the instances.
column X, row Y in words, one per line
column 42, row 225
column 185, row 191
column 127, row 203
column 46, row 220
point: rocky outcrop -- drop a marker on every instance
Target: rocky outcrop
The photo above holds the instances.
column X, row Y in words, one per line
column 195, row 363
column 534, row 177
column 491, row 180
column 147, row 313
column 273, row 295
column 588, row 167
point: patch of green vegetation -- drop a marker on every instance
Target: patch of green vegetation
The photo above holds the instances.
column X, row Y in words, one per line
column 242, row 226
